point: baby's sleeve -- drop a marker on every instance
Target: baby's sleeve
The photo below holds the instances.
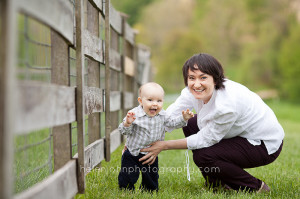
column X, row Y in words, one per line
column 175, row 122
column 125, row 130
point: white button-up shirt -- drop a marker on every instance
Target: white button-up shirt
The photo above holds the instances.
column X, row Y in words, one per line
column 145, row 130
column 233, row 111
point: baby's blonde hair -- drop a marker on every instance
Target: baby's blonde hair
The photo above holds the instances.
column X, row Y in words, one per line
column 154, row 84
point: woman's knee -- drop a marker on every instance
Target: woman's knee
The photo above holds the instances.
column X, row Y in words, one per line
column 203, row 158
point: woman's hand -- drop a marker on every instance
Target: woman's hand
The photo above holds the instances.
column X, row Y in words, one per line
column 124, row 149
column 153, row 151
column 158, row 146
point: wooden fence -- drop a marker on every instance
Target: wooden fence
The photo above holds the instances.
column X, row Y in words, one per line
column 27, row 105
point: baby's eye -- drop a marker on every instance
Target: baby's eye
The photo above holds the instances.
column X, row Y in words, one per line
column 150, row 100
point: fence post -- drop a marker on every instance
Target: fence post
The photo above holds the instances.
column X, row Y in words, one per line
column 136, row 73
column 123, row 110
column 62, row 144
column 7, row 95
column 79, row 95
column 107, row 82
column 93, row 72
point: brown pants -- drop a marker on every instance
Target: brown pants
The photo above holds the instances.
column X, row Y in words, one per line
column 224, row 162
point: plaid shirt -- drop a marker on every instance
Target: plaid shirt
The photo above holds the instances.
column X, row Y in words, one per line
column 144, row 130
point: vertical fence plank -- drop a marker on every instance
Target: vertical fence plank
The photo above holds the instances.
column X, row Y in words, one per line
column 107, row 82
column 62, row 145
column 93, row 72
column 7, row 95
column 144, row 64
column 114, row 74
column 123, row 110
column 136, row 84
column 130, row 80
column 79, row 95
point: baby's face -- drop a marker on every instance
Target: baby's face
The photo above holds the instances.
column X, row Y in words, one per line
column 151, row 100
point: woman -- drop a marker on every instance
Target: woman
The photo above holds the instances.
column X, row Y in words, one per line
column 233, row 129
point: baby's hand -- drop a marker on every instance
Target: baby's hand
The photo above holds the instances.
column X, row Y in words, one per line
column 187, row 114
column 130, row 117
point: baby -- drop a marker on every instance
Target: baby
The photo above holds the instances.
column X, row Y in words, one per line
column 144, row 125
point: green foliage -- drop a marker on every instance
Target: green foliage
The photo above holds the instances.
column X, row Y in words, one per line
column 289, row 65
column 179, row 46
column 257, row 6
column 133, row 8
column 259, row 66
column 247, row 37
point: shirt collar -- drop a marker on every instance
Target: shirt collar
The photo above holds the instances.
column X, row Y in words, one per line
column 213, row 96
column 140, row 112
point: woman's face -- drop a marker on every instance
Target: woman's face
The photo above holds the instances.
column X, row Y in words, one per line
column 201, row 85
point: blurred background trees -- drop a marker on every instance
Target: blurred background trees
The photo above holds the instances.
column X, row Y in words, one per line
column 257, row 41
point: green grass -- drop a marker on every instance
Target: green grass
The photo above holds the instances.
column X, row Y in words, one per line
column 29, row 156
column 33, row 155
column 282, row 175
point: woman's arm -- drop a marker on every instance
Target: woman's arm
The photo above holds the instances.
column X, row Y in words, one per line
column 158, row 146
column 183, row 102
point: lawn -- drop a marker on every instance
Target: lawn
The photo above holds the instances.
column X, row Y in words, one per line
column 282, row 175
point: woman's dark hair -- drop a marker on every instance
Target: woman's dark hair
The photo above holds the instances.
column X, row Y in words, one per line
column 206, row 64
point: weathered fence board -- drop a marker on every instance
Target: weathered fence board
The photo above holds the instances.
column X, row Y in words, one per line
column 62, row 144
column 94, row 154
column 8, row 60
column 129, row 67
column 144, row 64
column 97, row 4
column 115, row 101
column 93, row 100
column 115, row 60
column 107, row 80
column 128, row 100
column 93, row 80
column 115, row 19
column 80, row 109
column 62, row 184
column 129, row 34
column 43, row 105
column 58, row 14
column 115, row 138
column 93, row 46
column 36, row 98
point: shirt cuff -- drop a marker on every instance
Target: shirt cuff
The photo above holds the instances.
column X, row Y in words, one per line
column 125, row 130
column 192, row 142
column 183, row 122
